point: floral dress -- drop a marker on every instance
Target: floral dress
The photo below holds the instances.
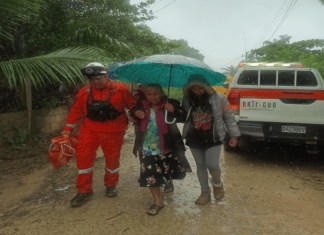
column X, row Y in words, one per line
column 156, row 168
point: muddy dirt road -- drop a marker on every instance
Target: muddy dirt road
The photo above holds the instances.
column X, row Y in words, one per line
column 268, row 191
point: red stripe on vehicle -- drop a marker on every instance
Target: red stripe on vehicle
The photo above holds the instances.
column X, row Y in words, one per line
column 279, row 94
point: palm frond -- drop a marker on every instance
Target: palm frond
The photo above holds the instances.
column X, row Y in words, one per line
column 15, row 12
column 91, row 34
column 16, row 7
column 62, row 66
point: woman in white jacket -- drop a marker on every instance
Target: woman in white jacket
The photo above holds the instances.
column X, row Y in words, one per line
column 208, row 119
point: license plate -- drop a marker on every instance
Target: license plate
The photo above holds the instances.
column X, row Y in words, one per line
column 293, row 129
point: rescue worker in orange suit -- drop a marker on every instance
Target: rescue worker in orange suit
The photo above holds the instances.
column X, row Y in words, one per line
column 101, row 106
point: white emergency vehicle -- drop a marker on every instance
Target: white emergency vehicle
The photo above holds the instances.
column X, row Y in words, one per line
column 278, row 102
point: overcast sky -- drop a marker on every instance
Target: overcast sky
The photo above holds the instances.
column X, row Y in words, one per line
column 222, row 30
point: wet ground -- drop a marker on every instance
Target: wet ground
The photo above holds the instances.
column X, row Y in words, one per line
column 269, row 190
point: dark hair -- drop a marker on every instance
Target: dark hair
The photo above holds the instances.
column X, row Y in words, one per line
column 154, row 85
column 199, row 78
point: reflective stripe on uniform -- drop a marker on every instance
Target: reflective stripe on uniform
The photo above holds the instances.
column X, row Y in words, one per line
column 70, row 125
column 85, row 171
column 112, row 171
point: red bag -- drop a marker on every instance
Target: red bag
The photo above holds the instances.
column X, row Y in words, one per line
column 61, row 150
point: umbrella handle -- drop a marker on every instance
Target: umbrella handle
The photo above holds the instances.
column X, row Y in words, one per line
column 166, row 118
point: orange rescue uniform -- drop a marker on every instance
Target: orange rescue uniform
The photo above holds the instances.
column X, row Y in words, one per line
column 108, row 134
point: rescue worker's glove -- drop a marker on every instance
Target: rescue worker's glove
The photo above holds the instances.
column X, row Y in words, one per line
column 65, row 133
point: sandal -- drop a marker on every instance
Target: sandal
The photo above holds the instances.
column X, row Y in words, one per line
column 154, row 209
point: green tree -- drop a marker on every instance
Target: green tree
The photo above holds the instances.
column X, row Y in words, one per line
column 34, row 30
column 231, row 70
column 184, row 49
column 115, row 26
column 13, row 14
column 308, row 52
column 30, row 32
column 18, row 68
column 283, row 39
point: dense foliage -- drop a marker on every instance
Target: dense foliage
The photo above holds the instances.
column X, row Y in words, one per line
column 308, row 52
column 45, row 42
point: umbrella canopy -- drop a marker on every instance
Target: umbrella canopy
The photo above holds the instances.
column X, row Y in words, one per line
column 166, row 70
column 112, row 67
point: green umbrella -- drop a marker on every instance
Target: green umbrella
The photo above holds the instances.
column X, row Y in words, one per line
column 166, row 70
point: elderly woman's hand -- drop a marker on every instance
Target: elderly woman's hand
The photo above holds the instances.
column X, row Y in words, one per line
column 139, row 114
column 169, row 107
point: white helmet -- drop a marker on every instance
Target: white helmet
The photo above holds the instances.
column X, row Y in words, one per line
column 94, row 69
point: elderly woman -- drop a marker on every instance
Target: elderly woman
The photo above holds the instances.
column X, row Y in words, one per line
column 157, row 143
column 209, row 117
